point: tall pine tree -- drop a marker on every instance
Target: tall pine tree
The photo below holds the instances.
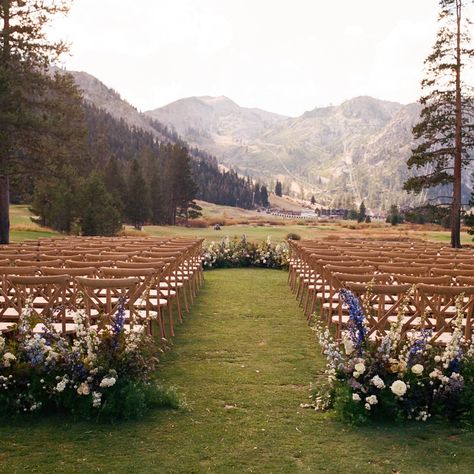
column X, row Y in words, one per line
column 445, row 132
column 26, row 105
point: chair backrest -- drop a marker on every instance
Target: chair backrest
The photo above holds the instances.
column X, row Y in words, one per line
column 103, row 296
column 384, row 300
column 46, row 294
column 438, row 305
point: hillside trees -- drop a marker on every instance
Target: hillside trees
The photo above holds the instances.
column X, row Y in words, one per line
column 445, row 133
column 28, row 95
column 278, row 189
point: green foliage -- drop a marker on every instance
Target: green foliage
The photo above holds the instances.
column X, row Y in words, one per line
column 98, row 210
column 138, row 197
column 362, row 212
column 278, row 189
column 293, row 236
column 427, row 214
column 394, row 216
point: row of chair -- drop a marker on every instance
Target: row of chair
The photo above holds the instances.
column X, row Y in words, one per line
column 147, row 276
column 426, row 283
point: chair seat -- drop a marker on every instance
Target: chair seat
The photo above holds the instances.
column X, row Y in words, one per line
column 126, row 327
column 7, row 327
column 40, row 328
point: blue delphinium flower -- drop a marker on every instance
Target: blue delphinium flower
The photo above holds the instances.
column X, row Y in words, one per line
column 356, row 326
column 118, row 320
column 419, row 345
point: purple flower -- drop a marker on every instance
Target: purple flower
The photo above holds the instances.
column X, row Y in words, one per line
column 357, row 331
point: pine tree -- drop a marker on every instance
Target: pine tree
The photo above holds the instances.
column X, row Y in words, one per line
column 445, row 131
column 362, row 212
column 138, row 198
column 264, row 196
column 278, row 189
column 313, row 200
column 25, row 106
column 98, row 211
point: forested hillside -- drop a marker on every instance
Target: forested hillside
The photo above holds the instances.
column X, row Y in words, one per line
column 115, row 173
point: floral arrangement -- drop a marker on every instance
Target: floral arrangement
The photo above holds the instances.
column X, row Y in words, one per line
column 397, row 376
column 242, row 253
column 106, row 372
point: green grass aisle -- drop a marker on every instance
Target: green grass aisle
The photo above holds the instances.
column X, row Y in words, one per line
column 243, row 359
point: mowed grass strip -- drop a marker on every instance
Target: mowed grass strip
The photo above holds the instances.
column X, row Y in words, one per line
column 243, row 360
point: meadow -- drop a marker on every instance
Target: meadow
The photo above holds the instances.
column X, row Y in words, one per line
column 254, row 225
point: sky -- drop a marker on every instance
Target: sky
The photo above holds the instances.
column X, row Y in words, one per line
column 285, row 56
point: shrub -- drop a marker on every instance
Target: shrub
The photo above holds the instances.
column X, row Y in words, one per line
column 293, row 236
column 197, row 224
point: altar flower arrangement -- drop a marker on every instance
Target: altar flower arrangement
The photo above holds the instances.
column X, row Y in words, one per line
column 397, row 375
column 233, row 253
column 105, row 372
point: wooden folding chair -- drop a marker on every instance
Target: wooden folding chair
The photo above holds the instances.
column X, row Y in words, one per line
column 47, row 298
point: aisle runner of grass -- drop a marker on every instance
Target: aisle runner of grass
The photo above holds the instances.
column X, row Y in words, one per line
column 243, row 359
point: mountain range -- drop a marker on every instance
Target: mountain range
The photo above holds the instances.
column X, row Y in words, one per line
column 343, row 155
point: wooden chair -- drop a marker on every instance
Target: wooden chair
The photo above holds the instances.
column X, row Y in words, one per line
column 103, row 297
column 47, row 298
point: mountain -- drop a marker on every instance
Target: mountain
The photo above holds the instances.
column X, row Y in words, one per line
column 354, row 151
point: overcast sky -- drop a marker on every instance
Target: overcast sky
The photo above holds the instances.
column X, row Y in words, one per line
column 284, row 56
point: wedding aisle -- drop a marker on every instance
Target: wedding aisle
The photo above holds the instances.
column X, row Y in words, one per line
column 243, row 360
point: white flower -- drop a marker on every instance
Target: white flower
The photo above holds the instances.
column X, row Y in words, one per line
column 356, row 397
column 437, row 359
column 61, row 386
column 107, row 382
column 417, row 369
column 372, row 400
column 348, row 346
column 378, row 382
column 83, row 389
column 435, row 374
column 360, row 367
column 367, row 406
column 96, row 399
column 8, row 358
column 399, row 388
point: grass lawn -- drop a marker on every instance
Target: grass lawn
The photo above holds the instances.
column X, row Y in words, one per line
column 253, row 232
column 243, row 360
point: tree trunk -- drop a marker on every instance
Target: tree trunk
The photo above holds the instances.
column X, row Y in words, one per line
column 456, row 203
column 4, row 210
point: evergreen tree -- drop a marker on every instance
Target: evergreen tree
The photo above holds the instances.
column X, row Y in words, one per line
column 445, row 131
column 278, row 188
column 362, row 212
column 264, row 196
column 115, row 184
column 25, row 103
column 313, row 200
column 257, row 200
column 394, row 217
column 138, row 198
column 99, row 213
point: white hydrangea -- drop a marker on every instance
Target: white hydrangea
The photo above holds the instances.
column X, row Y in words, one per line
column 83, row 389
column 378, row 382
column 356, row 397
column 61, row 385
column 107, row 382
column 372, row 400
column 8, row 358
